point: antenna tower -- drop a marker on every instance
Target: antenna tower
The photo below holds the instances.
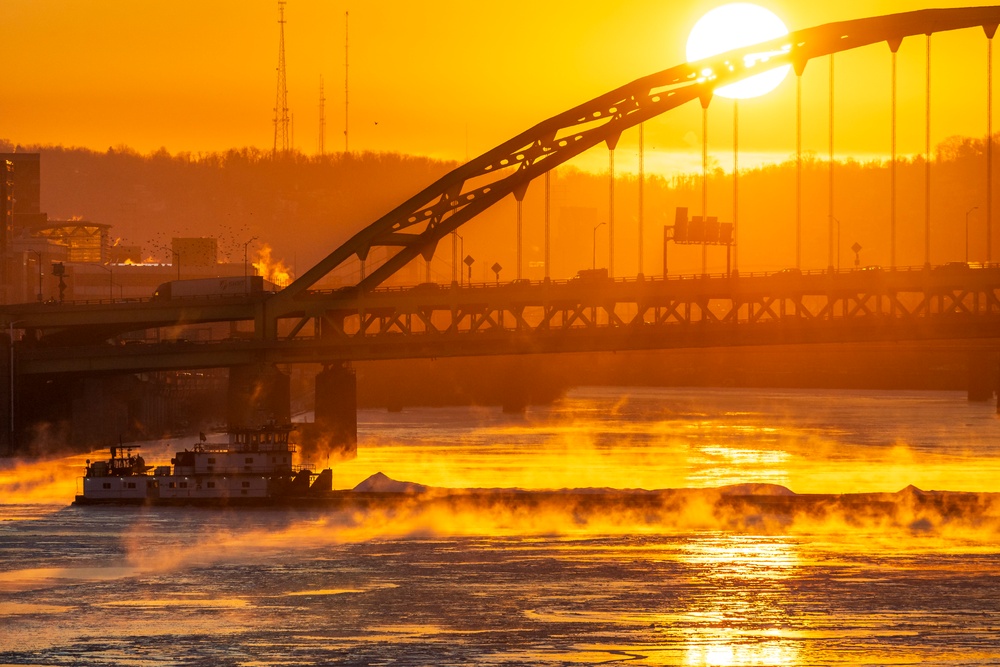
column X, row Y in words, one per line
column 281, row 120
column 322, row 118
column 346, row 53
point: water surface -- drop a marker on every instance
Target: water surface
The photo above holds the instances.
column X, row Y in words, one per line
column 421, row 584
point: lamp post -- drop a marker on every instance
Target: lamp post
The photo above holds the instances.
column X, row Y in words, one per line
column 175, row 255
column 39, row 254
column 246, row 246
column 111, row 281
column 461, row 240
column 967, row 232
column 594, row 259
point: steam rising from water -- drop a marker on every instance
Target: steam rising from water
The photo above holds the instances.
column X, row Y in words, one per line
column 908, row 520
column 697, row 576
column 41, row 482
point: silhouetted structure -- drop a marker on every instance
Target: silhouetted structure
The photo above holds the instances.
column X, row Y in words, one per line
column 304, row 324
column 281, row 119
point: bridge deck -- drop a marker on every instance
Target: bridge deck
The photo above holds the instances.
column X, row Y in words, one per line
column 950, row 302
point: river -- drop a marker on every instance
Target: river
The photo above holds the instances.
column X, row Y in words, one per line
column 538, row 583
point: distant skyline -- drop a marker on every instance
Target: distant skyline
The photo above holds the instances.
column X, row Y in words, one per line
column 442, row 78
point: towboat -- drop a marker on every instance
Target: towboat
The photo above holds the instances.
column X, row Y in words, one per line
column 256, row 467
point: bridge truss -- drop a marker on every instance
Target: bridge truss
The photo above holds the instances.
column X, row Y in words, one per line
column 416, row 226
column 945, row 303
column 342, row 325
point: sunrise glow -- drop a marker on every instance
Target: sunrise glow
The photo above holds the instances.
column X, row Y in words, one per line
column 729, row 27
column 454, row 333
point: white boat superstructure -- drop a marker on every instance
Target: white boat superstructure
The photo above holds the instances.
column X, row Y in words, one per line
column 256, row 466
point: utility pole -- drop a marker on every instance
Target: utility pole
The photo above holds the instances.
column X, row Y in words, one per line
column 281, row 120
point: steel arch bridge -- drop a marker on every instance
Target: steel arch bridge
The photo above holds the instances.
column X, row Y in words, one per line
column 415, row 227
column 362, row 322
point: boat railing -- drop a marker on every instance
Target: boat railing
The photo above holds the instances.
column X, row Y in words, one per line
column 241, row 448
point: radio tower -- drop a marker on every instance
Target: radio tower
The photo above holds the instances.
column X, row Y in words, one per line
column 281, row 120
column 346, row 54
column 322, row 118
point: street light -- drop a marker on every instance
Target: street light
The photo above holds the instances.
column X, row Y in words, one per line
column 111, row 281
column 176, row 256
column 246, row 246
column 594, row 262
column 460, row 254
column 967, row 232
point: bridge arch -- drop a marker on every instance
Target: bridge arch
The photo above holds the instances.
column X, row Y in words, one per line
column 416, row 226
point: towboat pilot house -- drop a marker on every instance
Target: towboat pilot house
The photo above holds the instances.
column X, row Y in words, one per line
column 256, row 465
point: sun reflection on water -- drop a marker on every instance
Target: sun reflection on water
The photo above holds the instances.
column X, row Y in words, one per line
column 740, row 620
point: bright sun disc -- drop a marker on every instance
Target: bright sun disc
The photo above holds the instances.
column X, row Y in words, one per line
column 730, row 27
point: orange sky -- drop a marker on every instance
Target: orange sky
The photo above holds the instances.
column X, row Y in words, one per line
column 444, row 78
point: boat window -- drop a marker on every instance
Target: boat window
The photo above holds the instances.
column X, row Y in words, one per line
column 249, row 460
column 184, row 485
column 172, row 485
column 107, row 485
column 211, row 459
column 246, row 485
column 131, row 485
column 211, row 485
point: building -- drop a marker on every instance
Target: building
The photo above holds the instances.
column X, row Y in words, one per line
column 89, row 268
column 27, row 183
column 195, row 252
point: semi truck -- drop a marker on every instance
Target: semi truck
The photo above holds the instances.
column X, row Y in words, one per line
column 214, row 287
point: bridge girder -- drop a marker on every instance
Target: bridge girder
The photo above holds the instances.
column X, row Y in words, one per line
column 472, row 188
column 582, row 316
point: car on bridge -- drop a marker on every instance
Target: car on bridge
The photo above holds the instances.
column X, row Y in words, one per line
column 591, row 275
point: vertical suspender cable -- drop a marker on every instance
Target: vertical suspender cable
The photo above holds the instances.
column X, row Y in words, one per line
column 894, row 47
column 642, row 182
column 830, row 225
column 519, row 238
column 704, row 178
column 798, row 167
column 547, row 200
column 736, row 182
column 611, row 213
column 990, row 32
column 927, row 165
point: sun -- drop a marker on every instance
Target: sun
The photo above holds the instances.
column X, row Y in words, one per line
column 730, row 27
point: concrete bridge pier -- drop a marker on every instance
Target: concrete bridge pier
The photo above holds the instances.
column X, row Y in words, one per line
column 334, row 431
column 982, row 376
column 258, row 394
column 7, row 431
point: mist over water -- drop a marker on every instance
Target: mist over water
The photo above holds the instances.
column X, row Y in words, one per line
column 653, row 438
column 534, row 577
